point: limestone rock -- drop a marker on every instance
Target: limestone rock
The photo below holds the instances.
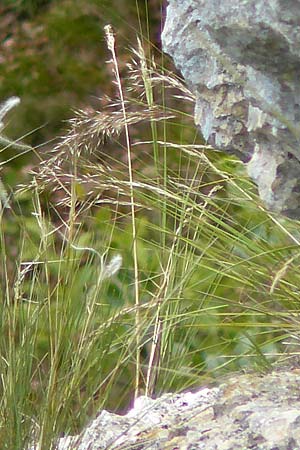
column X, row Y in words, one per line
column 249, row 411
column 242, row 60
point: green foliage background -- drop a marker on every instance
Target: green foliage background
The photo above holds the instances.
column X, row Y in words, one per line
column 54, row 56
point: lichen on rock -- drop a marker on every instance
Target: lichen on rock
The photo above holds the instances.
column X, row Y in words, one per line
column 246, row 411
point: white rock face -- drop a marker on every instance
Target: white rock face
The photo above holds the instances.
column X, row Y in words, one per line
column 242, row 60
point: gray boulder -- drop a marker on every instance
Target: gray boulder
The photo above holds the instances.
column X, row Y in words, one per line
column 242, row 60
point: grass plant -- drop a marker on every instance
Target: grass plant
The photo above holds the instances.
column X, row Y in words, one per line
column 148, row 268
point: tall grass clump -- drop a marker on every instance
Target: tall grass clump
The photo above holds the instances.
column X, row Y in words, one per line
column 147, row 264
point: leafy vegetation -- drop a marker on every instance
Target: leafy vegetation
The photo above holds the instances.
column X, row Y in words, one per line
column 135, row 259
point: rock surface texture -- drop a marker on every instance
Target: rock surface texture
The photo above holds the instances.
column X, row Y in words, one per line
column 242, row 60
column 247, row 411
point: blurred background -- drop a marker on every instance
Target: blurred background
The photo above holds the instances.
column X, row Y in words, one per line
column 53, row 56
